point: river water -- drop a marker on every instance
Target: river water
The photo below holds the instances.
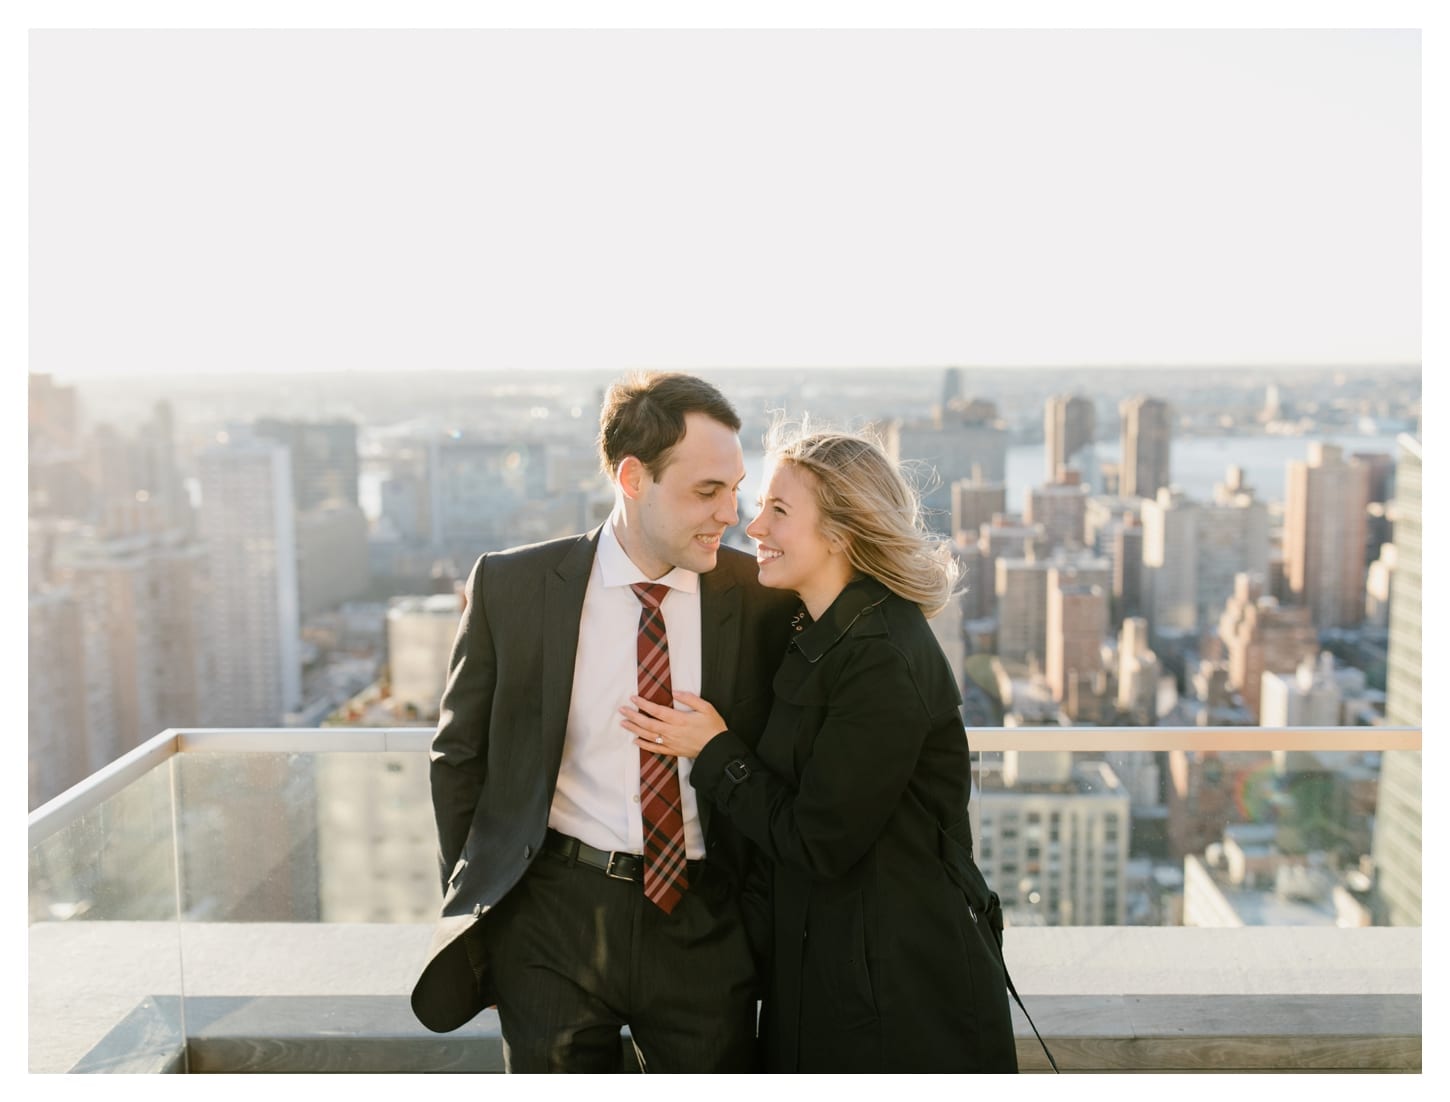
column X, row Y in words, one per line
column 1197, row 463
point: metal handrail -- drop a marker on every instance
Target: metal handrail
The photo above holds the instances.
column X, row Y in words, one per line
column 100, row 786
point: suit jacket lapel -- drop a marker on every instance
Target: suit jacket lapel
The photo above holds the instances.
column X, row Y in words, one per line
column 720, row 621
column 564, row 589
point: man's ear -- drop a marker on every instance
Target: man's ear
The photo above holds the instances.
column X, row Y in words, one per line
column 632, row 476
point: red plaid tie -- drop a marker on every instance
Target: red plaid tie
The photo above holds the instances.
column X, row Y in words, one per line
column 660, row 809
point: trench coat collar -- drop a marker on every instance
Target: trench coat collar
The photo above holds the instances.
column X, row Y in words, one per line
column 857, row 599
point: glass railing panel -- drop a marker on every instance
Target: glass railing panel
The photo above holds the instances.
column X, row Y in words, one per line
column 104, row 949
column 306, row 837
column 308, row 889
column 1212, row 838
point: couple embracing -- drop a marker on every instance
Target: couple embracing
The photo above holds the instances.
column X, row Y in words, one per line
column 673, row 784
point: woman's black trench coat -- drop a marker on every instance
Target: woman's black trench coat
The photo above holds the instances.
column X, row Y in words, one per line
column 882, row 958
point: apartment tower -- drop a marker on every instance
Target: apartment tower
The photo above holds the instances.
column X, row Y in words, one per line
column 248, row 525
column 1324, row 535
column 1146, row 434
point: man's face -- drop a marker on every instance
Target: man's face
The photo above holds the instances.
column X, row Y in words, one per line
column 678, row 521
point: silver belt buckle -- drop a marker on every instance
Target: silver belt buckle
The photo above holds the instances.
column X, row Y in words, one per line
column 609, row 868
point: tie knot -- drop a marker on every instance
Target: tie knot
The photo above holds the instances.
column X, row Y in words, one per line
column 650, row 594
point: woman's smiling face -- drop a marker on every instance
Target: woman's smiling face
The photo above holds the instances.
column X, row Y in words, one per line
column 792, row 552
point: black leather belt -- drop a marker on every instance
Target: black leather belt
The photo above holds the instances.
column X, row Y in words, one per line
column 619, row 864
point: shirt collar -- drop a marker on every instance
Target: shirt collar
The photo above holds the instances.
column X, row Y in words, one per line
column 617, row 569
column 858, row 598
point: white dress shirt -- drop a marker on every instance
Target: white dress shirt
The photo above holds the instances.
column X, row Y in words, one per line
column 597, row 796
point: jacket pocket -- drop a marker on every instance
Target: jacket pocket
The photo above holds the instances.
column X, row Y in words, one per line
column 836, row 947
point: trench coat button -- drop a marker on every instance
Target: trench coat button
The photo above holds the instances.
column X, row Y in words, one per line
column 477, row 910
column 528, row 852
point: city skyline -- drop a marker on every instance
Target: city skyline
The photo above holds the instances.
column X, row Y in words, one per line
column 1010, row 198
column 389, row 496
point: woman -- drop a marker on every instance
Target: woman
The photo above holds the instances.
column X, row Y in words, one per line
column 857, row 790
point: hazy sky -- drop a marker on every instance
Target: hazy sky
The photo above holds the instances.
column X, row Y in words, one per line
column 287, row 200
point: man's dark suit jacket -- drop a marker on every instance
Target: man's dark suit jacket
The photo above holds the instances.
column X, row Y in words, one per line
column 495, row 757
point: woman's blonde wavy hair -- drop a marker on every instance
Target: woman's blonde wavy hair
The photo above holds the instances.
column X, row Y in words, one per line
column 867, row 503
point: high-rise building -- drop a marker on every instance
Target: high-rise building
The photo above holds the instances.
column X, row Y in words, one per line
column 1053, row 839
column 1102, row 517
column 1398, row 833
column 137, row 482
column 951, row 386
column 332, row 566
column 1111, row 528
column 1069, row 424
column 1192, row 552
column 1379, row 587
column 1324, row 535
column 1170, row 562
column 1061, row 508
column 1261, row 635
column 1006, row 537
column 1273, row 403
column 946, row 625
column 485, row 495
column 146, row 636
column 1126, row 556
column 160, row 473
column 1077, row 627
column 1138, row 673
column 248, row 525
column 1308, row 697
column 58, row 712
column 1022, row 587
column 1378, row 529
column 404, row 494
column 975, row 580
column 421, row 631
column 1147, row 432
column 374, row 837
column 323, row 455
column 1232, row 538
column 60, row 478
column 975, row 504
column 54, row 416
column 964, row 439
column 1381, row 474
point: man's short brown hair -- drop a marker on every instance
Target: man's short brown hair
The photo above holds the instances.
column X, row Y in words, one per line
column 644, row 416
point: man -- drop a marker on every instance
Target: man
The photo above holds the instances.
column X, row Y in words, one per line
column 584, row 886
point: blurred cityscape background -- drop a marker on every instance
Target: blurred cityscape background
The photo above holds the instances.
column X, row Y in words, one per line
column 1238, row 547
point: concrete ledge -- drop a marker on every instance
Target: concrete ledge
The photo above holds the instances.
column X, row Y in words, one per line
column 1223, row 1033
column 312, row 997
column 1155, row 1033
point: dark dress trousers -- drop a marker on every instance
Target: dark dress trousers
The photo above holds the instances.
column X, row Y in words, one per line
column 883, row 958
column 495, row 756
